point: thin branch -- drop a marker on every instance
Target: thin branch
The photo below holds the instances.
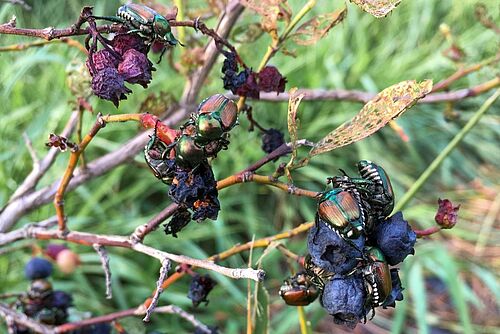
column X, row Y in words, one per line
column 168, row 309
column 90, row 239
column 104, row 256
column 364, row 97
column 24, row 320
column 429, row 231
column 165, row 267
column 23, row 46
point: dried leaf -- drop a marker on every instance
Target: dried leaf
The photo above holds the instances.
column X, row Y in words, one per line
column 378, row 8
column 317, row 28
column 387, row 105
column 293, row 106
column 271, row 11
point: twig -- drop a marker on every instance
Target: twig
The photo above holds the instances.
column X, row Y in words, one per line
column 445, row 152
column 364, row 97
column 168, row 309
column 428, row 231
column 104, row 256
column 22, row 319
column 165, row 267
column 90, row 239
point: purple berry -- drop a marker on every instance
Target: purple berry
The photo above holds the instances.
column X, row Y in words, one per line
column 37, row 268
column 136, row 68
column 124, row 42
column 101, row 59
column 61, row 299
column 200, row 288
column 108, row 84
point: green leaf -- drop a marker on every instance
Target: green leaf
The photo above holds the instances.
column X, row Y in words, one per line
column 378, row 8
column 384, row 107
column 261, row 310
column 416, row 287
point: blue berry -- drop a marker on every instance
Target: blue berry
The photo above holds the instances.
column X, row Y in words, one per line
column 61, row 299
column 395, row 238
column 37, row 268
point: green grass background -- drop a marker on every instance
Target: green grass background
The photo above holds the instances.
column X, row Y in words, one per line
column 362, row 53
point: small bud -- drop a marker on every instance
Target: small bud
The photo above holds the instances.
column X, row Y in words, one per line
column 67, row 261
column 447, row 215
column 60, row 142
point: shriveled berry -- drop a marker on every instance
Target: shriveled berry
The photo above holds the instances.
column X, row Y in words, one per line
column 395, row 238
column 136, row 68
column 37, row 268
column 397, row 290
column 100, row 60
column 61, row 299
column 179, row 220
column 344, row 299
column 271, row 80
column 331, row 252
column 250, row 88
column 272, row 139
column 124, row 42
column 200, row 288
column 108, row 84
column 206, row 208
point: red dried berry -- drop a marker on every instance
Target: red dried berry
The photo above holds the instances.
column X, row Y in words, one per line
column 101, row 59
column 136, row 68
column 123, row 43
column 271, row 80
column 52, row 250
column 250, row 88
column 108, row 84
column 446, row 216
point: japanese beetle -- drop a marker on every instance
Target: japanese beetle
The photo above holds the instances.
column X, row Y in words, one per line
column 188, row 153
column 377, row 277
column 342, row 212
column 146, row 21
column 298, row 290
column 39, row 289
column 381, row 197
column 216, row 116
column 156, row 154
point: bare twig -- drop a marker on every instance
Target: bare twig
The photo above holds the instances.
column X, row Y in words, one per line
column 22, row 319
column 364, row 97
column 104, row 256
column 165, row 267
column 120, row 241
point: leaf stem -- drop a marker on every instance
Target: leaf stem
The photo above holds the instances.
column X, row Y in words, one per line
column 446, row 151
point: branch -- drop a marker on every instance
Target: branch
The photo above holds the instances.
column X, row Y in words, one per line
column 165, row 267
column 24, row 320
column 168, row 309
column 90, row 239
column 104, row 256
column 364, row 97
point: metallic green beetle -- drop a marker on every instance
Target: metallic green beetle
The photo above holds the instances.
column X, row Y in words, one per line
column 377, row 277
column 156, row 154
column 381, row 195
column 216, row 116
column 342, row 212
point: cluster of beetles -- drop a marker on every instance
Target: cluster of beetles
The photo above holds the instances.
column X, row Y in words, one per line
column 351, row 248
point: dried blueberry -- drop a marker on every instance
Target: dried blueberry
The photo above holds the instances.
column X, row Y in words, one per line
column 124, row 42
column 100, row 60
column 272, row 139
column 271, row 80
column 136, row 68
column 179, row 220
column 108, row 84
column 37, row 268
column 344, row 298
column 331, row 252
column 200, row 288
column 395, row 238
column 61, row 299
column 250, row 88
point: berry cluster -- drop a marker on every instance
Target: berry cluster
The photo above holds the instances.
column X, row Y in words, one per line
column 184, row 165
column 41, row 302
column 351, row 247
column 247, row 82
column 126, row 61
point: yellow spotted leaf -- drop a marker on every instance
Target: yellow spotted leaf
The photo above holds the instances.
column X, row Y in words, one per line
column 293, row 105
column 384, row 107
column 378, row 8
column 318, row 27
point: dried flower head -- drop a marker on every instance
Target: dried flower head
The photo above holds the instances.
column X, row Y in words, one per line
column 447, row 214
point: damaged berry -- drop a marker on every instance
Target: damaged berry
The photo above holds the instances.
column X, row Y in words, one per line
column 272, row 139
column 136, row 68
column 200, row 288
column 108, row 84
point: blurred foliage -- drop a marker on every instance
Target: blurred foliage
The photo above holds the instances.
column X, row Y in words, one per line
column 452, row 281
